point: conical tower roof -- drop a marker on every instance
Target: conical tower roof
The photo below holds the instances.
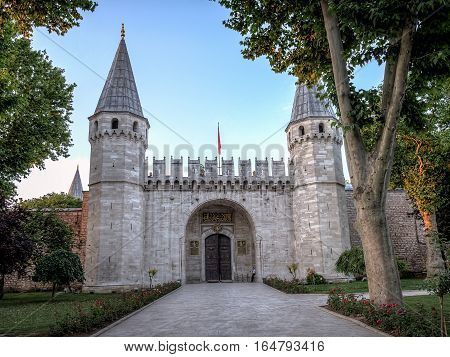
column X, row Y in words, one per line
column 307, row 104
column 76, row 188
column 120, row 92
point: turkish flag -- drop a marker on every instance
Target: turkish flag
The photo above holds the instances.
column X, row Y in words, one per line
column 219, row 145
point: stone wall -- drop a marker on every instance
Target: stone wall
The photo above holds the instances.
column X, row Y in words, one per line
column 406, row 230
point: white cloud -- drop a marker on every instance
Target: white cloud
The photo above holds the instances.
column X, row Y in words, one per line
column 56, row 177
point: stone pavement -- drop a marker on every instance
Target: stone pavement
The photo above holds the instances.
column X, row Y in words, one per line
column 236, row 309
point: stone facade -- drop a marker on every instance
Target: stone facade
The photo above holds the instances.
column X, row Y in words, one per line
column 269, row 213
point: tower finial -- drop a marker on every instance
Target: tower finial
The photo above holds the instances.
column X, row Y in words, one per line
column 122, row 31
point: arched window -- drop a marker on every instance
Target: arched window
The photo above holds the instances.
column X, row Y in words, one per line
column 301, row 131
column 321, row 128
column 96, row 125
column 115, row 123
column 135, row 126
column 289, row 136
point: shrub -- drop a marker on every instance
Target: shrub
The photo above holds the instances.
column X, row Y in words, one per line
column 352, row 262
column 106, row 310
column 390, row 318
column 287, row 286
column 293, row 267
column 404, row 268
column 313, row 278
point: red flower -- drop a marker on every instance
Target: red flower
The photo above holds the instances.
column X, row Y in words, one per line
column 378, row 322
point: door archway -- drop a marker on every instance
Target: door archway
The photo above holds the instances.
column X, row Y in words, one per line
column 218, row 258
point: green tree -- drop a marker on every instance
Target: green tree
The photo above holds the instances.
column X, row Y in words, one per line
column 60, row 268
column 56, row 15
column 352, row 262
column 49, row 233
column 35, row 108
column 52, row 200
column 422, row 165
column 330, row 40
column 15, row 245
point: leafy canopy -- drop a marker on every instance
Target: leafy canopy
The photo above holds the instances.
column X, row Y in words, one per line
column 60, row 267
column 52, row 200
column 35, row 108
column 291, row 35
column 15, row 245
column 56, row 15
column 48, row 232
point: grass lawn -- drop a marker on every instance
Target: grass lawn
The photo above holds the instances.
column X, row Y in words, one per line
column 361, row 286
column 31, row 314
column 429, row 302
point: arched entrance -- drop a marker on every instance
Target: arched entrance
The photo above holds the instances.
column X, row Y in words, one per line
column 219, row 243
column 217, row 258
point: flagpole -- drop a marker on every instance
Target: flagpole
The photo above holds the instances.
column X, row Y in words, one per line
column 219, row 147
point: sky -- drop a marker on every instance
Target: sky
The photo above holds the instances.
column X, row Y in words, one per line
column 190, row 75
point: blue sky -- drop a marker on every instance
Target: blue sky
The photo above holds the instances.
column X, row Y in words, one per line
column 190, row 75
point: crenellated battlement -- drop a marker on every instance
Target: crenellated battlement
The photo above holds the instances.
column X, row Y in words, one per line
column 209, row 176
column 111, row 133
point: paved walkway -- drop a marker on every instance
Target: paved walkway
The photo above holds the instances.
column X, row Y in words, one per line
column 236, row 309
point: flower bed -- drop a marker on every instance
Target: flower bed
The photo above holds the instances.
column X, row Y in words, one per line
column 391, row 318
column 103, row 311
column 287, row 286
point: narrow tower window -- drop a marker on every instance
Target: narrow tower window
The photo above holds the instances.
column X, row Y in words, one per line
column 115, row 123
column 135, row 126
column 301, row 130
column 321, row 128
column 289, row 136
column 96, row 125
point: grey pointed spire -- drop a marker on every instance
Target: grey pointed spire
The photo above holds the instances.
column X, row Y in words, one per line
column 120, row 93
column 308, row 105
column 76, row 188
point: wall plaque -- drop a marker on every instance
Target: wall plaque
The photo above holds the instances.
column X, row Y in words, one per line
column 216, row 217
column 241, row 247
column 194, row 246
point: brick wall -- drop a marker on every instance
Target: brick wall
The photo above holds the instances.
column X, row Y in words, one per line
column 406, row 230
column 77, row 219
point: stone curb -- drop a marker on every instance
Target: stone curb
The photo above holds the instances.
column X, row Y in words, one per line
column 362, row 324
column 126, row 317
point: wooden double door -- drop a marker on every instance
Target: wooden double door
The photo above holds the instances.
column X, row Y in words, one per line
column 217, row 258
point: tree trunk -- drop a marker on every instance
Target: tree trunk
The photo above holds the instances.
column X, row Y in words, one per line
column 435, row 262
column 53, row 289
column 381, row 268
column 2, row 286
column 443, row 324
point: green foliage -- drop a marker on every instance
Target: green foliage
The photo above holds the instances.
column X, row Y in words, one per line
column 15, row 245
column 390, row 318
column 352, row 262
column 313, row 278
column 404, row 268
column 35, row 108
column 293, row 267
column 439, row 285
column 104, row 311
column 56, row 15
column 49, row 233
column 152, row 273
column 287, row 286
column 60, row 267
column 52, row 200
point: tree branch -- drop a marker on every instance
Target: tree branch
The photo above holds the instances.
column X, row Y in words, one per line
column 386, row 143
column 353, row 144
